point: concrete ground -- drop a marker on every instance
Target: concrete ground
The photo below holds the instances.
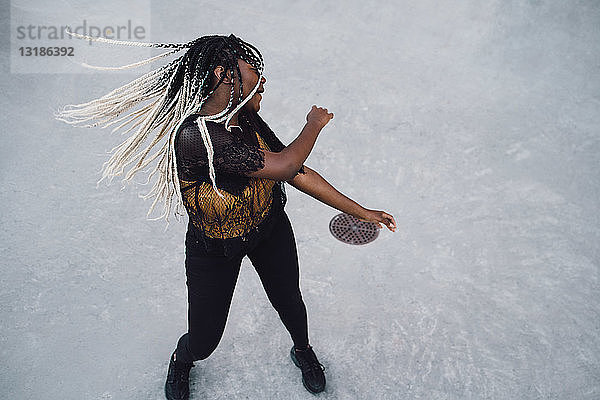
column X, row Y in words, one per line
column 476, row 124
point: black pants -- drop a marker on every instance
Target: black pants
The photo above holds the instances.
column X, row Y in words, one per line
column 211, row 280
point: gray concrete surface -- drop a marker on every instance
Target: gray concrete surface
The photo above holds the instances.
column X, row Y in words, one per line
column 475, row 123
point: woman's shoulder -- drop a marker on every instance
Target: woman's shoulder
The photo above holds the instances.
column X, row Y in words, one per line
column 190, row 125
column 189, row 120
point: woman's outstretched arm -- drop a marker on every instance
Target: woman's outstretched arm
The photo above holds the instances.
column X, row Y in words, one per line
column 316, row 186
column 284, row 164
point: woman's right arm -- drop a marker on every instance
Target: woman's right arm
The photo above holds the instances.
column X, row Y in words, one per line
column 284, row 165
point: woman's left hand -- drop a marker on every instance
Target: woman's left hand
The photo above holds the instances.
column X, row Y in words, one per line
column 379, row 217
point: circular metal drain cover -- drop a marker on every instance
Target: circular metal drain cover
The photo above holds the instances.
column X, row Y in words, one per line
column 351, row 230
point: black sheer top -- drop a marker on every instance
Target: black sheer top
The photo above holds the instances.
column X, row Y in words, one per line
column 249, row 204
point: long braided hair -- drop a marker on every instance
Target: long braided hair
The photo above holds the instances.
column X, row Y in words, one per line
column 174, row 91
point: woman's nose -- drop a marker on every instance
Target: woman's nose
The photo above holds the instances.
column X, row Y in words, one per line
column 263, row 80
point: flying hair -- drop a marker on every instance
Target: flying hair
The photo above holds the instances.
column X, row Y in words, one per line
column 172, row 92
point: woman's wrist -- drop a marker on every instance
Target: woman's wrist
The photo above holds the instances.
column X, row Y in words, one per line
column 313, row 126
column 356, row 210
column 361, row 213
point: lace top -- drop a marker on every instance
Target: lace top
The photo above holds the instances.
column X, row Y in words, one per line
column 249, row 203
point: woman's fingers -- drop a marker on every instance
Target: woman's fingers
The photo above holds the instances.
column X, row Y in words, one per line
column 388, row 220
column 320, row 115
column 381, row 217
column 391, row 223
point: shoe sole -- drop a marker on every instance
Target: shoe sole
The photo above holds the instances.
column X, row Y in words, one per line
column 295, row 360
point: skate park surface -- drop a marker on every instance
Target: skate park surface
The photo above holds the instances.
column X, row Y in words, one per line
column 474, row 123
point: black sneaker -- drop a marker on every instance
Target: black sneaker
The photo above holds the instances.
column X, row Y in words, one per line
column 313, row 377
column 177, row 386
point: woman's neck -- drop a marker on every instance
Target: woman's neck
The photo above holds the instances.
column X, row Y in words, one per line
column 211, row 108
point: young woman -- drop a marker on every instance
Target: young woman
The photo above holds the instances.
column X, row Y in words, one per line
column 227, row 168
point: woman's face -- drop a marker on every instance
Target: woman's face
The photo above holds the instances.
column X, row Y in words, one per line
column 250, row 79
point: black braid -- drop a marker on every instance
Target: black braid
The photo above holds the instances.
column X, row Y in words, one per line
column 231, row 42
column 239, row 73
column 170, row 45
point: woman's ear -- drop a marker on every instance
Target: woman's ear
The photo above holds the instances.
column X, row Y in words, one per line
column 219, row 70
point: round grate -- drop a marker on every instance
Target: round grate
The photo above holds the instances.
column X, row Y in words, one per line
column 351, row 230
